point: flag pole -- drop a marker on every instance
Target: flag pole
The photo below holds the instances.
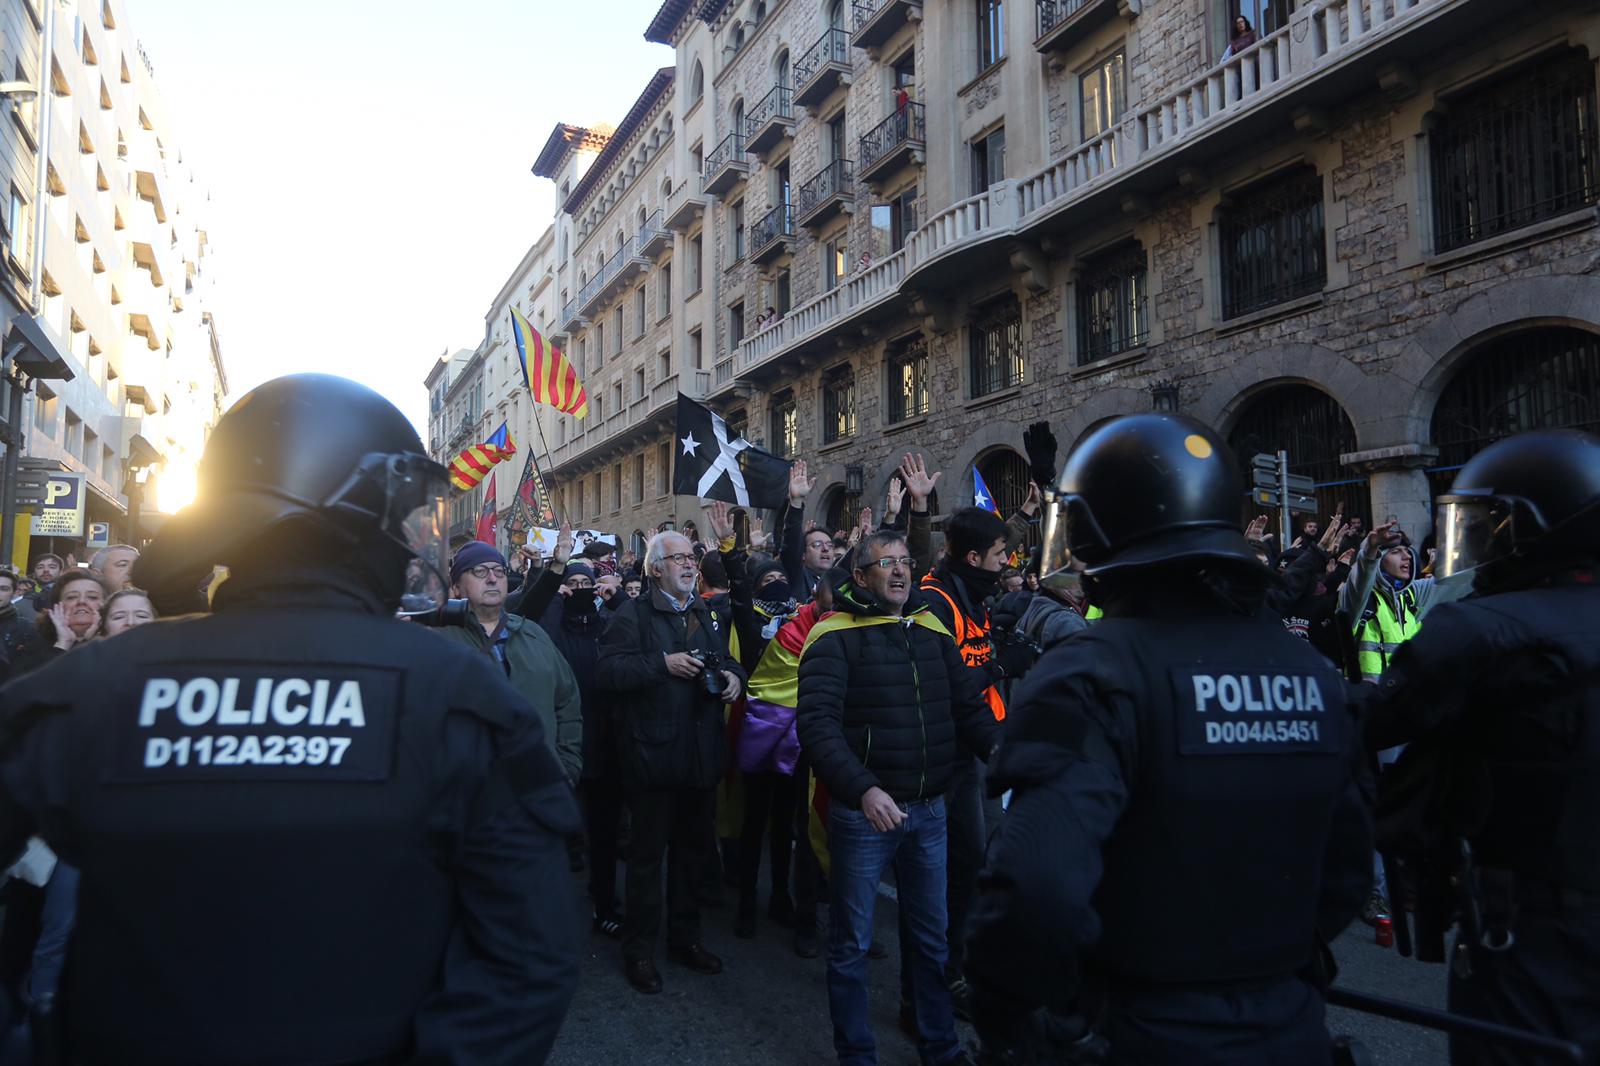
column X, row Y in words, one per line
column 538, row 424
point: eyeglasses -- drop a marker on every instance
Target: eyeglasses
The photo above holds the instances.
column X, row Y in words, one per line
column 681, row 559
column 484, row 572
column 889, row 562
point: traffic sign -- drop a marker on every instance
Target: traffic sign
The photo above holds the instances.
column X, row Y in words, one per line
column 1268, row 479
column 60, row 512
column 99, row 535
column 1297, row 503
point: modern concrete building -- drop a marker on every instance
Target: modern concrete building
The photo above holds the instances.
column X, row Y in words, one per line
column 109, row 261
column 1367, row 237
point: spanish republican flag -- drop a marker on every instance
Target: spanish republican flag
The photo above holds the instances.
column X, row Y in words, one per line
column 472, row 465
column 547, row 373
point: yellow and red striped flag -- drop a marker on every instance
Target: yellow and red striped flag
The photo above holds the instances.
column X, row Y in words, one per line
column 547, row 373
column 472, row 465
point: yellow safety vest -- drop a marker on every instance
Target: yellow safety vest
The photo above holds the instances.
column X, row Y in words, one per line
column 1381, row 634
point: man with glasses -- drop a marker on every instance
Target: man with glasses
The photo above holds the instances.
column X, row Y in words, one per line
column 520, row 648
column 883, row 694
column 664, row 661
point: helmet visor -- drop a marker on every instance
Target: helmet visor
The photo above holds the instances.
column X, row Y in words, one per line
column 418, row 492
column 1059, row 568
column 1472, row 531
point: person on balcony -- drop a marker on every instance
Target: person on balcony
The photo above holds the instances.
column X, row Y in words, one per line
column 1244, row 35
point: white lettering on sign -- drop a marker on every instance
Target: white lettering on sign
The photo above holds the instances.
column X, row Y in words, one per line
column 1259, row 693
column 202, row 701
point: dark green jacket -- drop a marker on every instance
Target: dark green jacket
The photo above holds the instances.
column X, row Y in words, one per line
column 542, row 677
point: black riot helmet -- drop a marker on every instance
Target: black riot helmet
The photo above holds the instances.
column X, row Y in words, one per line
column 310, row 456
column 1526, row 503
column 1143, row 490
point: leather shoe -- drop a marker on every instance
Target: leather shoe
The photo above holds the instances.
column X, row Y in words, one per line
column 643, row 975
column 697, row 959
column 807, row 941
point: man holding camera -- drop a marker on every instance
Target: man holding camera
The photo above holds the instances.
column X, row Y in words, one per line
column 665, row 660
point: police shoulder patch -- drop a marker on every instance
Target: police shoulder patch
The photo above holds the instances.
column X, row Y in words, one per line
column 252, row 722
column 1238, row 710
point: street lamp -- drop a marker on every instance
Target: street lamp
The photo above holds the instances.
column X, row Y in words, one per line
column 19, row 91
column 1164, row 396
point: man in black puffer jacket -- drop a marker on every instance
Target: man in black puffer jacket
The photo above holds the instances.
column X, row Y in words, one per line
column 883, row 692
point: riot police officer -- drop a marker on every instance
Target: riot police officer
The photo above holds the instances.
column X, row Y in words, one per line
column 307, row 832
column 1183, row 821
column 1498, row 699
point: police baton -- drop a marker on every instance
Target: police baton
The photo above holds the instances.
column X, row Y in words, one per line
column 1444, row 1021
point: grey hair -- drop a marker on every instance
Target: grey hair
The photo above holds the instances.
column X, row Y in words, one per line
column 656, row 549
column 98, row 562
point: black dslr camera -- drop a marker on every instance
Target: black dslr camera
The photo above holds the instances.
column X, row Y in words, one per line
column 711, row 681
column 420, row 609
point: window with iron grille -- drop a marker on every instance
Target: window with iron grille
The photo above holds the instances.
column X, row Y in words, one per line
column 785, row 429
column 908, row 380
column 1518, row 151
column 997, row 359
column 663, row 469
column 838, row 404
column 1113, row 304
column 1272, row 244
column 1544, row 378
column 1311, row 426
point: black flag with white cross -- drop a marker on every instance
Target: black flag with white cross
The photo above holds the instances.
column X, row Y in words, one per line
column 712, row 463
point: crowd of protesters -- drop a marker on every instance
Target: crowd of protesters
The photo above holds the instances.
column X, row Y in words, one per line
column 823, row 700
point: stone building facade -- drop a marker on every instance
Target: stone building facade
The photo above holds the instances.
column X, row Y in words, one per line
column 1369, row 239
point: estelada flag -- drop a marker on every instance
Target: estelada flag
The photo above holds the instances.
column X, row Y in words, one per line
column 549, row 376
column 486, row 517
column 472, row 465
column 712, row 462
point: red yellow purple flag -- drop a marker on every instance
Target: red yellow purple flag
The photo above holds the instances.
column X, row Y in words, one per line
column 550, row 377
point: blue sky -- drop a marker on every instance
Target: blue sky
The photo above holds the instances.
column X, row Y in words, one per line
column 369, row 162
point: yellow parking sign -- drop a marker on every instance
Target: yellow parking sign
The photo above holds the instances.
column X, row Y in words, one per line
column 60, row 512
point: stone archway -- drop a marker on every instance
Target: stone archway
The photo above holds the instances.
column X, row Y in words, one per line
column 1232, row 389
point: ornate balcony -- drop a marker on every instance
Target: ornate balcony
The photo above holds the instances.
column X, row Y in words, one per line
column 654, row 238
column 892, row 144
column 726, row 166
column 822, row 68
column 570, row 318
column 878, row 20
column 1063, row 23
column 685, row 204
column 827, row 193
column 773, row 234
column 769, row 122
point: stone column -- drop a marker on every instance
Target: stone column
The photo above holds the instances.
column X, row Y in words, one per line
column 1398, row 485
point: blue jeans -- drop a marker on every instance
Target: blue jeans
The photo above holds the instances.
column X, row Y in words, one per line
column 859, row 856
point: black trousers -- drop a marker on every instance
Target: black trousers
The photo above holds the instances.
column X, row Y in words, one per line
column 807, row 871
column 675, row 827
column 602, row 813
column 768, row 801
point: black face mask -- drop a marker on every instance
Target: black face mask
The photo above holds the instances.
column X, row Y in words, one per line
column 582, row 601
column 774, row 592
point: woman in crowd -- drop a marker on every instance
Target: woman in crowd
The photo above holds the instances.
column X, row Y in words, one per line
column 72, row 618
column 126, row 609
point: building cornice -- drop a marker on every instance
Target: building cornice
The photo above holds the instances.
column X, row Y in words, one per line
column 642, row 108
column 564, row 139
column 664, row 28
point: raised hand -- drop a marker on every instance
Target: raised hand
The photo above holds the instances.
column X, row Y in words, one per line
column 897, row 493
column 864, row 521
column 1334, row 533
column 1257, row 529
column 563, row 550
column 1030, row 506
column 918, row 481
column 720, row 519
column 1381, row 538
column 799, row 485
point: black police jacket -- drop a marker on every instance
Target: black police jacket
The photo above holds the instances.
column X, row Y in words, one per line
column 1183, row 811
column 308, row 833
column 670, row 731
column 1499, row 699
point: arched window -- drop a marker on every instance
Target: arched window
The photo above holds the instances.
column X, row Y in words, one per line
column 780, row 69
column 697, row 83
column 836, row 15
column 1312, row 427
column 641, row 216
column 738, row 37
column 738, row 123
column 1543, row 378
column 666, row 190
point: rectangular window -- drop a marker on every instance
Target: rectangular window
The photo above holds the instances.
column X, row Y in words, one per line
column 599, row 408
column 616, row 398
column 893, row 222
column 1272, row 244
column 782, row 291
column 696, row 350
column 835, row 260
column 785, row 429
column 908, row 380
column 45, row 411
column 991, row 33
column 838, row 404
column 581, row 509
column 638, row 478
column 108, row 466
column 736, row 325
column 599, row 345
column 997, row 357
column 697, row 262
column 664, row 366
column 616, row 330
column 663, row 469
column 17, row 235
column 638, row 312
column 638, row 383
column 74, row 435
column 736, row 224
column 988, row 160
column 664, row 292
column 1103, row 96
column 835, row 139
column 1518, row 151
column 1112, row 304
column 616, row 487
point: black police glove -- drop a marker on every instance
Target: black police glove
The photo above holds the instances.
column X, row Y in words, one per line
column 1040, row 444
column 1013, row 656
